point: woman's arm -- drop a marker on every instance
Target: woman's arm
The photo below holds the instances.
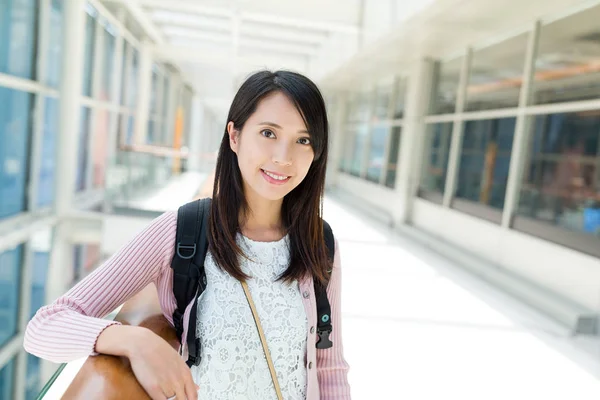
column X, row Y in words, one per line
column 69, row 328
column 332, row 368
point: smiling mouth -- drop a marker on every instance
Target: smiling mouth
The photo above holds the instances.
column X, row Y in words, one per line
column 274, row 178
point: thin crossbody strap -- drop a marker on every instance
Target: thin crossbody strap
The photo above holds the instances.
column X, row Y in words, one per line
column 263, row 340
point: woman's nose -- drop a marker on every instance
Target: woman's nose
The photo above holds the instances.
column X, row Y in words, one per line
column 282, row 155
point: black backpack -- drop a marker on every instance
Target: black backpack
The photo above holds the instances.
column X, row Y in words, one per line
column 189, row 279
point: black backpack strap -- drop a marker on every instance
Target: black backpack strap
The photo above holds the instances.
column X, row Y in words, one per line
column 324, row 327
column 189, row 279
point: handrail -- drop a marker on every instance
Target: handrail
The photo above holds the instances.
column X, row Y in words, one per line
column 165, row 151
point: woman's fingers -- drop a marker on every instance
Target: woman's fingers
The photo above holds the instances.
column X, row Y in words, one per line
column 191, row 389
column 180, row 392
column 156, row 393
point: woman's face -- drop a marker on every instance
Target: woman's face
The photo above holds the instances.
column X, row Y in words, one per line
column 274, row 148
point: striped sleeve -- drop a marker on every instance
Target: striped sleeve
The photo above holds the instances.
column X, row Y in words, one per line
column 68, row 328
column 332, row 368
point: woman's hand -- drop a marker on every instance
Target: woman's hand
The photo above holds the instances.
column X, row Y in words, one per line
column 159, row 368
column 156, row 365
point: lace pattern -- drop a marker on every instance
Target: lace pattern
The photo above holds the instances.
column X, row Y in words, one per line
column 233, row 363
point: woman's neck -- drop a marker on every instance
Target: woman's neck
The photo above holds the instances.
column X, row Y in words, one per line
column 262, row 222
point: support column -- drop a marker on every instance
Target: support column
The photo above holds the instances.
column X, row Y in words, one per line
column 70, row 114
column 142, row 109
column 418, row 94
column 174, row 102
column 198, row 137
column 457, row 131
column 97, row 72
column 336, row 141
column 522, row 130
column 115, row 90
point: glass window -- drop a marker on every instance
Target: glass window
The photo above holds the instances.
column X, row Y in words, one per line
column 400, row 98
column 10, row 282
column 15, row 115
column 33, row 383
column 435, row 160
column 48, row 153
column 150, row 139
column 567, row 62
column 485, row 161
column 7, row 378
column 358, row 108
column 91, row 257
column 167, row 89
column 382, row 102
column 83, row 150
column 77, row 270
column 100, row 146
column 496, row 75
column 375, row 162
column 121, row 129
column 40, row 246
column 360, row 141
column 132, row 81
column 154, row 91
column 129, row 133
column 124, row 72
column 55, row 45
column 346, row 159
column 88, row 61
column 17, row 37
column 445, row 84
column 107, row 71
column 561, row 183
column 392, row 164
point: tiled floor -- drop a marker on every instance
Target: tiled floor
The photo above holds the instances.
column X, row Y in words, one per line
column 417, row 327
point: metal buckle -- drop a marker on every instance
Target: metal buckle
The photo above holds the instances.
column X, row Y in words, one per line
column 186, row 247
column 324, row 342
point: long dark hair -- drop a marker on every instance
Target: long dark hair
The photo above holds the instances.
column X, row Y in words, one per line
column 302, row 208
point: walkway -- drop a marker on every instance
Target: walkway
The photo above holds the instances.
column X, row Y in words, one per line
column 417, row 327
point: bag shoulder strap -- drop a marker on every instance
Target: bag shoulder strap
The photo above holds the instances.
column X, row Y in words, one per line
column 263, row 340
column 189, row 279
column 324, row 327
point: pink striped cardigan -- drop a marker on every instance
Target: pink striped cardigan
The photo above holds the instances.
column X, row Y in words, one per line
column 68, row 328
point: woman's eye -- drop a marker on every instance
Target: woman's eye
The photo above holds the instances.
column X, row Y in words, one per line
column 267, row 133
column 305, row 141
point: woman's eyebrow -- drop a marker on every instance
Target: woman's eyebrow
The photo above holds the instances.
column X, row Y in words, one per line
column 274, row 125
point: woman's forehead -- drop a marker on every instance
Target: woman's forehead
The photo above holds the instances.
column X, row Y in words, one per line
column 277, row 108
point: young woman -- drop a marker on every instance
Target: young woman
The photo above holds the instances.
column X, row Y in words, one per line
column 265, row 229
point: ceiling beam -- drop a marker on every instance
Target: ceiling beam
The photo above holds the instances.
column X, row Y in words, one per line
column 283, row 35
column 186, row 6
column 192, row 6
column 195, row 55
column 274, row 19
column 278, row 47
column 140, row 15
column 168, row 18
column 192, row 35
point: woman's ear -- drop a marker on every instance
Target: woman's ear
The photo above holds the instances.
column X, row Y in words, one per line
column 233, row 136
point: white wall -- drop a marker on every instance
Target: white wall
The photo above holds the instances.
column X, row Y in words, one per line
column 117, row 231
column 568, row 273
column 379, row 197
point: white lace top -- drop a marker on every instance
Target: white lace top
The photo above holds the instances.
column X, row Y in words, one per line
column 233, row 363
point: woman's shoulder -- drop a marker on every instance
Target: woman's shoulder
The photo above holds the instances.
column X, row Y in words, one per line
column 160, row 235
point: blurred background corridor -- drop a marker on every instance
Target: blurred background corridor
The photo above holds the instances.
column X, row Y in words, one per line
column 463, row 181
